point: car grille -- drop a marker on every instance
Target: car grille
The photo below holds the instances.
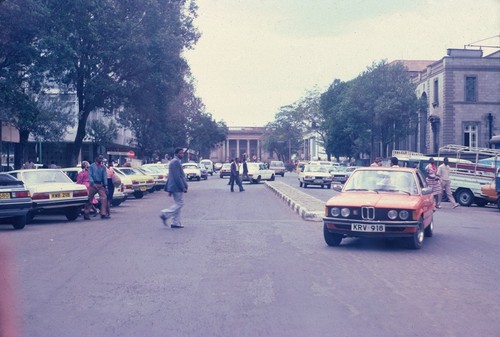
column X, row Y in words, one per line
column 367, row 213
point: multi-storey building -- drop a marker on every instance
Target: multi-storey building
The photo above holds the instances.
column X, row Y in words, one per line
column 463, row 94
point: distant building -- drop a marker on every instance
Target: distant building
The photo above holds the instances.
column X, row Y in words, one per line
column 241, row 141
column 463, row 94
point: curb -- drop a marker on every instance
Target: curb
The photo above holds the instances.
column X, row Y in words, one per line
column 308, row 207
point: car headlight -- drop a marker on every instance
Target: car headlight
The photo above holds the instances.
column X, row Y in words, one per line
column 392, row 214
column 335, row 211
column 403, row 215
column 345, row 212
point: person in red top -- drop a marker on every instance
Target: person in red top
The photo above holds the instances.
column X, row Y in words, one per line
column 83, row 179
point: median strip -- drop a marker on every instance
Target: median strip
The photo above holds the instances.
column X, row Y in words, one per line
column 308, row 207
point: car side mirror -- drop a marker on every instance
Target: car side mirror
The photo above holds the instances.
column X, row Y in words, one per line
column 426, row 190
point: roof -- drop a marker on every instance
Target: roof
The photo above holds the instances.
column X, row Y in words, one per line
column 414, row 65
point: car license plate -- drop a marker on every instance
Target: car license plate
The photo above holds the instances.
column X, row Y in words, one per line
column 318, row 181
column 61, row 195
column 143, row 188
column 4, row 195
column 356, row 227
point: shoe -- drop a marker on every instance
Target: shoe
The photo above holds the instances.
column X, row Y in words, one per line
column 105, row 217
column 164, row 219
column 456, row 205
column 232, row 191
column 176, row 226
column 438, row 206
column 86, row 218
column 242, row 190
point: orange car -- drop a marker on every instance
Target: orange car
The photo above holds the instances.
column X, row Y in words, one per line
column 489, row 192
column 381, row 202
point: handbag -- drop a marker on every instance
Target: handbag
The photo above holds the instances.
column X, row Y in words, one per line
column 116, row 180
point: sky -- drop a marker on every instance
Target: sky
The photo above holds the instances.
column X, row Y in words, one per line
column 255, row 56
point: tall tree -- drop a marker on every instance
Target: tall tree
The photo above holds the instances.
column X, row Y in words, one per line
column 121, row 57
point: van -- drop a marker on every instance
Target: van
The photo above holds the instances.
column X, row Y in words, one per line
column 209, row 165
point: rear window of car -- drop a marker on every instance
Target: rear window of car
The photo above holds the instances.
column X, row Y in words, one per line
column 8, row 180
column 277, row 163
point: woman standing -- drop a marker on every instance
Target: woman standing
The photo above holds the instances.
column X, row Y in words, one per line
column 433, row 181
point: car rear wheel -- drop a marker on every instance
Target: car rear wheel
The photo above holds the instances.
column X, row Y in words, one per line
column 73, row 213
column 332, row 239
column 465, row 197
column 116, row 203
column 138, row 194
column 30, row 216
column 329, row 186
column 417, row 239
column 305, row 185
column 19, row 222
column 272, row 177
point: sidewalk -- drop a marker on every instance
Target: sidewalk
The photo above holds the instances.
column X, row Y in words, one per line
column 308, row 207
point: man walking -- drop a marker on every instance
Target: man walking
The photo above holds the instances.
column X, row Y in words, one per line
column 444, row 172
column 235, row 175
column 176, row 186
column 98, row 179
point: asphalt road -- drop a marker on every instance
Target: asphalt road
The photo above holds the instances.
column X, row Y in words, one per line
column 246, row 265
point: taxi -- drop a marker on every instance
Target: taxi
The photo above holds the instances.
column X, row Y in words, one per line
column 381, row 202
column 134, row 182
column 52, row 192
column 315, row 174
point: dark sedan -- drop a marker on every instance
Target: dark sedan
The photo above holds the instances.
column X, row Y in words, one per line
column 15, row 201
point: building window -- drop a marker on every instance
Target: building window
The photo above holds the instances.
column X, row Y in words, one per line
column 435, row 102
column 470, row 135
column 470, row 89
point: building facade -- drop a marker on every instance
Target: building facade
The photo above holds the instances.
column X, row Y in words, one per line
column 241, row 142
column 463, row 100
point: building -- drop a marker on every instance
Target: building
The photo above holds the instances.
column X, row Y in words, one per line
column 241, row 142
column 463, row 94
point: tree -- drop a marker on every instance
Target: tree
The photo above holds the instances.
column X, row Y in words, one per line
column 121, row 57
column 28, row 99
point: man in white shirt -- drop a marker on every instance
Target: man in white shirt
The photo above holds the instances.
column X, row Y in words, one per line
column 444, row 173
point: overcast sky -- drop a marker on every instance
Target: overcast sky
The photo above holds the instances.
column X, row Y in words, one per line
column 255, row 56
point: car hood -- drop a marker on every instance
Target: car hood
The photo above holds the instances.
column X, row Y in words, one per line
column 191, row 170
column 55, row 187
column 316, row 174
column 379, row 200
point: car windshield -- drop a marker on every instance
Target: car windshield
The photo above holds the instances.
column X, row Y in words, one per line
column 382, row 180
column 44, row 176
column 190, row 166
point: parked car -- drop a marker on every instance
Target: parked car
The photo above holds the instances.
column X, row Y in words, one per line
column 209, row 165
column 118, row 195
column 134, row 182
column 203, row 171
column 256, row 173
column 315, row 174
column 225, row 170
column 381, row 202
column 278, row 167
column 15, row 201
column 52, row 192
column 158, row 172
column 192, row 171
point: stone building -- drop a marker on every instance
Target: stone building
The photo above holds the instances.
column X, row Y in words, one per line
column 463, row 94
column 240, row 142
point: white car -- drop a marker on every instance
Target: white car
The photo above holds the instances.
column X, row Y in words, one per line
column 209, row 165
column 52, row 191
column 256, row 173
column 192, row 171
column 314, row 174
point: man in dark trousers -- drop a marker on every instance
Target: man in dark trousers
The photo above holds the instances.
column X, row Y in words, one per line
column 98, row 178
column 176, row 186
column 235, row 175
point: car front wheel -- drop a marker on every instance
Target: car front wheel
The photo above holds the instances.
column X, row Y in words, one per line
column 417, row 239
column 429, row 231
column 332, row 239
column 138, row 194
